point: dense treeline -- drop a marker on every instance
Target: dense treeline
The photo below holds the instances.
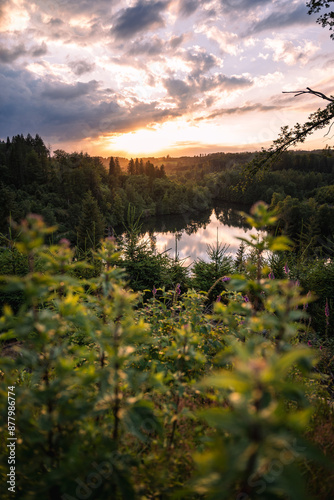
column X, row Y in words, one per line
column 86, row 200
column 300, row 186
column 64, row 188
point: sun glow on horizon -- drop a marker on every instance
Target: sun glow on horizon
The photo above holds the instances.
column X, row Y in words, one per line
column 175, row 135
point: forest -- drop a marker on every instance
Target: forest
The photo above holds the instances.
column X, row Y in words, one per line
column 132, row 376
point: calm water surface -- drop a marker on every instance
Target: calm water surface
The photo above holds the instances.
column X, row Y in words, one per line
column 189, row 235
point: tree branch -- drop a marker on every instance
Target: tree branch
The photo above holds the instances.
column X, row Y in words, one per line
column 290, row 137
column 309, row 91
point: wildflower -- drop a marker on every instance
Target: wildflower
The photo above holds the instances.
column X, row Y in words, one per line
column 246, row 299
column 271, row 275
column 218, row 298
column 305, row 306
column 178, row 289
column 327, row 312
column 309, row 343
column 286, row 269
column 320, row 348
column 154, row 291
column 64, row 242
column 226, row 279
column 297, row 283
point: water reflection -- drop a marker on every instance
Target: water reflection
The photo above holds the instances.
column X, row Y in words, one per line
column 189, row 236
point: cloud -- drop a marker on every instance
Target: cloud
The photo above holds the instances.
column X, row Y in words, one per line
column 228, row 42
column 178, row 88
column 68, row 112
column 142, row 17
column 151, row 47
column 42, row 50
column 239, row 110
column 240, row 6
column 201, row 61
column 282, row 19
column 10, row 55
column 81, row 67
column 188, row 7
column 63, row 91
column 185, row 93
column 227, row 83
column 96, row 8
column 175, row 41
column 289, row 53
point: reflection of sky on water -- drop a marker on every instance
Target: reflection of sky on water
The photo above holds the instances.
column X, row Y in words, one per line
column 194, row 245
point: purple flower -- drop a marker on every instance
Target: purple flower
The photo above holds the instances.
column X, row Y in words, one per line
column 226, row 278
column 320, row 348
column 327, row 312
column 286, row 269
column 305, row 306
column 178, row 289
column 309, row 343
column 218, row 298
column 65, row 242
column 246, row 299
column 271, row 275
column 154, row 291
column 297, row 283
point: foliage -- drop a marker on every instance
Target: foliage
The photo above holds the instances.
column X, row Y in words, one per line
column 326, row 19
column 210, row 276
column 120, row 398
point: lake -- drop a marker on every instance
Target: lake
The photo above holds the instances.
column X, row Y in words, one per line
column 189, row 234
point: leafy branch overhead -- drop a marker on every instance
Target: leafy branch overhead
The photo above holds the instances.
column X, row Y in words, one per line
column 292, row 136
column 326, row 19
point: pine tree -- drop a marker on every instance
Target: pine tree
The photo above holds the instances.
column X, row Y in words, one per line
column 91, row 224
column 131, row 167
column 141, row 167
column 118, row 169
column 137, row 167
column 112, row 167
column 240, row 258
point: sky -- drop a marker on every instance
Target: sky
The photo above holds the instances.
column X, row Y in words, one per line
column 151, row 78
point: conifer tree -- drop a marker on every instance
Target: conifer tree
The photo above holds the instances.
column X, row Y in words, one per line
column 131, row 167
column 117, row 167
column 112, row 167
column 91, row 224
column 137, row 172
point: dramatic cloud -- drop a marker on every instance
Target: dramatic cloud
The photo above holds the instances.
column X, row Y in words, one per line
column 201, row 61
column 63, row 91
column 240, row 110
column 40, row 51
column 68, row 111
column 151, row 47
column 241, row 6
column 190, row 69
column 282, row 19
column 188, row 7
column 81, row 67
column 9, row 55
column 143, row 16
column 290, row 53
